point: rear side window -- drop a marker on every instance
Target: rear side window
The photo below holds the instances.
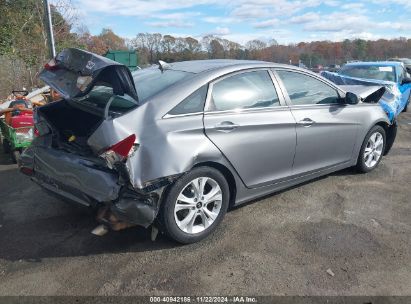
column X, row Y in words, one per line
column 151, row 81
column 192, row 104
column 244, row 91
column 306, row 90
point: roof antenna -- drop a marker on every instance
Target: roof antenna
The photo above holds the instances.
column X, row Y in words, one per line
column 162, row 65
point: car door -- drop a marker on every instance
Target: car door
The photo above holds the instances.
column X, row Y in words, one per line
column 252, row 126
column 326, row 128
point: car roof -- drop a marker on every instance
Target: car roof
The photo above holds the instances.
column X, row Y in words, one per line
column 199, row 66
column 206, row 71
column 375, row 63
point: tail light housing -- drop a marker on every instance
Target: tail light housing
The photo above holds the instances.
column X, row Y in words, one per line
column 120, row 151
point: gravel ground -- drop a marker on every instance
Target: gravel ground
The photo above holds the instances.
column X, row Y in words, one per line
column 358, row 227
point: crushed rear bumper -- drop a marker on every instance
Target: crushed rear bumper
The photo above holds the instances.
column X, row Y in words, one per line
column 81, row 180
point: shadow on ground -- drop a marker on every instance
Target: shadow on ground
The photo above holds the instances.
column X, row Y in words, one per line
column 36, row 225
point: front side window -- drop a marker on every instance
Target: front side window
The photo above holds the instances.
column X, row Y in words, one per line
column 401, row 74
column 306, row 90
column 244, row 91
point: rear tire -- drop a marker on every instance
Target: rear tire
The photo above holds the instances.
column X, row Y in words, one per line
column 194, row 205
column 372, row 149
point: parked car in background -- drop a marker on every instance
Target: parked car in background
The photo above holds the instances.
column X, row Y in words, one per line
column 180, row 143
column 405, row 61
column 317, row 68
column 334, row 68
column 391, row 75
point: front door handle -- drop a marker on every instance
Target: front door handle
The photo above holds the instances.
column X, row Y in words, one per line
column 306, row 122
column 226, row 126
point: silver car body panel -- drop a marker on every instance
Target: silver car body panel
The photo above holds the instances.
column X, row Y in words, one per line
column 268, row 151
column 182, row 139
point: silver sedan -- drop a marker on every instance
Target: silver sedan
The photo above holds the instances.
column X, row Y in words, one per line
column 178, row 144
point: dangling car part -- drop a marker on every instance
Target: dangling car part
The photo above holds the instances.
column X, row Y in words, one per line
column 182, row 142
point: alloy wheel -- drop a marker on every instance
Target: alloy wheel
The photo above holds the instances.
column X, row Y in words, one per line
column 198, row 205
column 373, row 150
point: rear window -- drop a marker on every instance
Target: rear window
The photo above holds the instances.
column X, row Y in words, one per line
column 100, row 96
column 385, row 73
column 151, row 81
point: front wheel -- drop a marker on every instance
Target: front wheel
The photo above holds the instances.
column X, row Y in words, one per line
column 195, row 205
column 372, row 149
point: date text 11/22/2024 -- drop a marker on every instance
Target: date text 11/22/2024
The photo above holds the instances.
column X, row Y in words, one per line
column 205, row 299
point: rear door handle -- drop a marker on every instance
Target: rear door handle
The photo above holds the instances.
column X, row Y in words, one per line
column 306, row 122
column 226, row 126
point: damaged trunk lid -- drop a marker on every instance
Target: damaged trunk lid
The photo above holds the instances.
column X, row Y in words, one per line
column 94, row 90
column 73, row 73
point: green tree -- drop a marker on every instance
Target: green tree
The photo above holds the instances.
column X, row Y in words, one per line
column 360, row 49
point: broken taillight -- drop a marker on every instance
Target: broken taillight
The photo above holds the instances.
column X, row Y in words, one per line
column 120, row 151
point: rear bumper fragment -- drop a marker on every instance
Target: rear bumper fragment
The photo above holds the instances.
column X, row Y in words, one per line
column 71, row 176
column 136, row 208
column 76, row 179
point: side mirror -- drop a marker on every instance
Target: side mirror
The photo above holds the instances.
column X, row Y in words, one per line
column 351, row 98
column 408, row 69
column 406, row 80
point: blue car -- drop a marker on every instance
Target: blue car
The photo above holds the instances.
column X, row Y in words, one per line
column 391, row 75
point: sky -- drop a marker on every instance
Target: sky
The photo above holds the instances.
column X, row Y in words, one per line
column 287, row 21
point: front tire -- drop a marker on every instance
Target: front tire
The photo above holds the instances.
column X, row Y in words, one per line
column 195, row 205
column 372, row 149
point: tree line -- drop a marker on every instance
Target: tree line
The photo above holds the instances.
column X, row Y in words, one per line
column 153, row 47
column 23, row 44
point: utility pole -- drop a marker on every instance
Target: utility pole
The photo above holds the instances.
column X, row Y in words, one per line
column 49, row 26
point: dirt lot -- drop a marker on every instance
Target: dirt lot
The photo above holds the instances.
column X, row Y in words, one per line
column 359, row 226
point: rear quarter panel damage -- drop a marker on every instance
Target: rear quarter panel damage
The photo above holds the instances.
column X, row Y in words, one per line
column 166, row 146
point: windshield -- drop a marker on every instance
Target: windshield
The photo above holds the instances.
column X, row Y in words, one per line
column 151, row 81
column 385, row 73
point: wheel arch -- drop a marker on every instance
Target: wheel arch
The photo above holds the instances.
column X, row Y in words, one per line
column 390, row 133
column 228, row 175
